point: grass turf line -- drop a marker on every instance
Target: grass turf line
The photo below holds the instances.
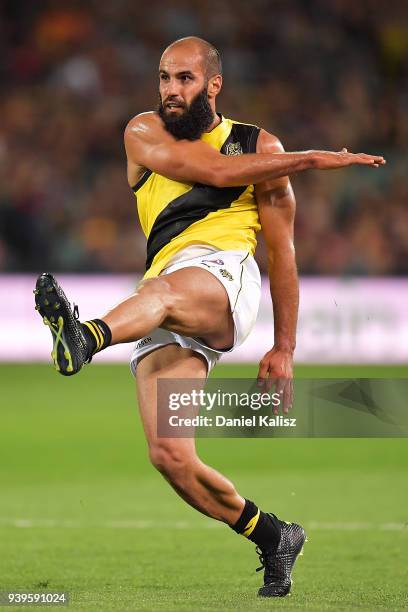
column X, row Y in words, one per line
column 73, row 449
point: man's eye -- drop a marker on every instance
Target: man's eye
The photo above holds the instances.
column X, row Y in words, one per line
column 185, row 77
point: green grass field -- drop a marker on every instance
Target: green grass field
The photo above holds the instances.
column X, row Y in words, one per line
column 83, row 511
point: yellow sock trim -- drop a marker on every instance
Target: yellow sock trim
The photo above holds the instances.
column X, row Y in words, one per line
column 251, row 525
column 96, row 333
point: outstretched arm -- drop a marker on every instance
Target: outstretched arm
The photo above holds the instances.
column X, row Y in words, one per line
column 276, row 205
column 149, row 145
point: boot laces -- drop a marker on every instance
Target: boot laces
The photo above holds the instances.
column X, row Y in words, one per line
column 267, row 559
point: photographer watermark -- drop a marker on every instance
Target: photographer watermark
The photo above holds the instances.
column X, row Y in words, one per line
column 321, row 408
column 224, row 400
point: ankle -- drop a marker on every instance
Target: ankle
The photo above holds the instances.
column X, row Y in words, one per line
column 98, row 335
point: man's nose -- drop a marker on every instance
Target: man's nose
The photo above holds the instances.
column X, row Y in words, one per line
column 172, row 88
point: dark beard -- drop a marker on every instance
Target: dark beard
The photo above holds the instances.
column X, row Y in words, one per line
column 193, row 122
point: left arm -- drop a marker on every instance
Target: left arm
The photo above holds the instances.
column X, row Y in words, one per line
column 276, row 205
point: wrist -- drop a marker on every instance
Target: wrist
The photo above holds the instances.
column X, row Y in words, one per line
column 285, row 347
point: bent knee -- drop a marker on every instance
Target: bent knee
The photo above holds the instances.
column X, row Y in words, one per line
column 163, row 291
column 169, row 459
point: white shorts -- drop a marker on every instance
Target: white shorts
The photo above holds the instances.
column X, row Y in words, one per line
column 239, row 273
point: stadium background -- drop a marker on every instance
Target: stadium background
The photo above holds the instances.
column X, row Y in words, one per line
column 81, row 508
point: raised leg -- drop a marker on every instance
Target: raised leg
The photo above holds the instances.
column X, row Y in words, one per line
column 190, row 301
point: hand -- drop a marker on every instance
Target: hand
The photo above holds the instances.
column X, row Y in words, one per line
column 276, row 368
column 330, row 160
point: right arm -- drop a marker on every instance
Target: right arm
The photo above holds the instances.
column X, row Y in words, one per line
column 149, row 145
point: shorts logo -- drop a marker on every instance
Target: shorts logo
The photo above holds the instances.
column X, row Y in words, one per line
column 233, row 148
column 143, row 342
column 226, row 274
column 215, row 262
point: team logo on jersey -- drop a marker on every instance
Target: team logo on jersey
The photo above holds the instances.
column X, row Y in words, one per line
column 233, row 148
column 226, row 274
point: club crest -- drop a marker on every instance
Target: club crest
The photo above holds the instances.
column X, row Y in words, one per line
column 233, row 148
column 226, row 274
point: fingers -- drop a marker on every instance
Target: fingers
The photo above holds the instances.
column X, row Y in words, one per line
column 363, row 158
column 269, row 383
column 275, row 372
column 280, row 388
column 263, row 375
column 266, row 384
column 329, row 160
column 288, row 396
column 284, row 386
column 263, row 370
column 369, row 160
column 377, row 161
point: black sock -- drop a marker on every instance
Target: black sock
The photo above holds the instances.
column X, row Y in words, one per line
column 261, row 528
column 97, row 334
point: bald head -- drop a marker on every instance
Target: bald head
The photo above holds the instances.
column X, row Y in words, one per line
column 189, row 82
column 192, row 45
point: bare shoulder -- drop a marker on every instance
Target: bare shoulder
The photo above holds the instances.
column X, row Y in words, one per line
column 145, row 126
column 268, row 143
column 139, row 136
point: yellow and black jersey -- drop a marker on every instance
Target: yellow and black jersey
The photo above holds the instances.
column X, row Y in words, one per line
column 174, row 215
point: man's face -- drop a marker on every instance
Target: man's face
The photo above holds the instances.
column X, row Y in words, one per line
column 181, row 79
column 184, row 106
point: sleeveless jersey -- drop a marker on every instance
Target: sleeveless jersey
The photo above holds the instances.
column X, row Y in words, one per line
column 174, row 214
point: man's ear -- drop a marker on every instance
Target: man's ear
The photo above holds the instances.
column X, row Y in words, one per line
column 214, row 86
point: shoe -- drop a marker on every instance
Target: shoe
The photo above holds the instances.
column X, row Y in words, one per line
column 278, row 563
column 69, row 351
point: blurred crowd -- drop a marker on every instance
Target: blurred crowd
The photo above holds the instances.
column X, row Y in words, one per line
column 319, row 74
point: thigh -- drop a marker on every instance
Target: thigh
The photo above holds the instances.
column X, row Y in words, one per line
column 201, row 307
column 170, row 361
